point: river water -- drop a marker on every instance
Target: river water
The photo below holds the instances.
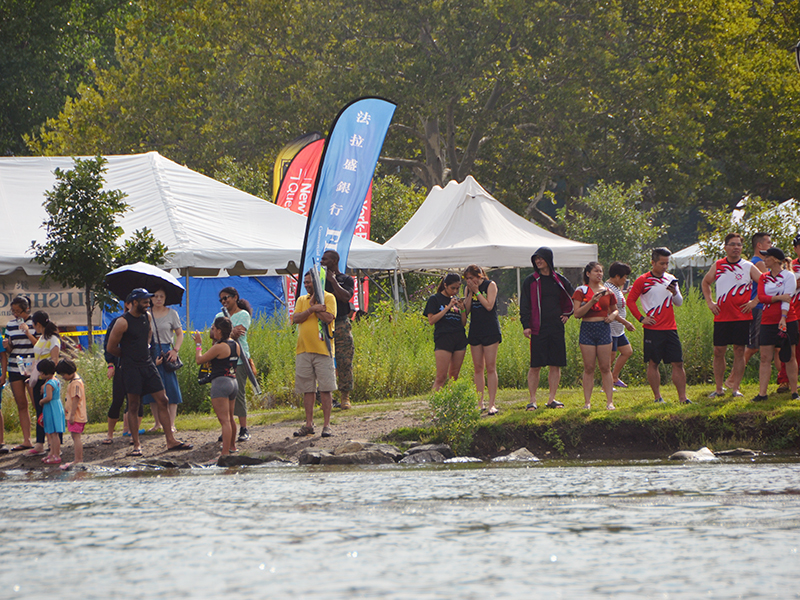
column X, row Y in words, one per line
column 591, row 530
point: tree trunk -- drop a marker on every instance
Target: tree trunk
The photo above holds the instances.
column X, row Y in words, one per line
column 88, row 300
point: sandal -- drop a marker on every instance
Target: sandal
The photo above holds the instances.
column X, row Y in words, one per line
column 304, row 431
column 21, row 447
column 493, row 411
column 531, row 406
column 135, row 452
column 107, row 441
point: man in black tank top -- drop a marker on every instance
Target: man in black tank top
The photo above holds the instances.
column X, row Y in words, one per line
column 130, row 340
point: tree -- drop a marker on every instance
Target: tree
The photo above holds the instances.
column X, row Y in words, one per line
column 393, row 204
column 752, row 215
column 612, row 217
column 82, row 233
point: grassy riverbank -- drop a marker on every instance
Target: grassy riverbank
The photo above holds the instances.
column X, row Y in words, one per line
column 637, row 429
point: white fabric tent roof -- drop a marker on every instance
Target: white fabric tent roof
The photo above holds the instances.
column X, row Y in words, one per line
column 691, row 256
column 206, row 224
column 463, row 224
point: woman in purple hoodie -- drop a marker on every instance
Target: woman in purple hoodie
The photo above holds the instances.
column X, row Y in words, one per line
column 544, row 308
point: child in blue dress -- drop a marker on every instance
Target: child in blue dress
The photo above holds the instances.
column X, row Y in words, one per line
column 52, row 410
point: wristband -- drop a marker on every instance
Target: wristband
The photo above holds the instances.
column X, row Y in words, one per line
column 641, row 319
column 198, row 345
column 110, row 366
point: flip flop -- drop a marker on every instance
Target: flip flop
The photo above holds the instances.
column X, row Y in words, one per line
column 21, row 447
column 135, row 453
column 181, row 446
column 107, row 441
column 33, row 452
column 492, row 412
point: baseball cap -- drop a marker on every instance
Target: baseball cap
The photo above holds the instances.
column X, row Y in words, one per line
column 775, row 253
column 138, row 294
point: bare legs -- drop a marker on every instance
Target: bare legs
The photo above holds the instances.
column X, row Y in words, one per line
column 765, row 369
column 678, row 378
column 737, row 370
column 448, row 365
column 553, row 379
column 326, row 400
column 162, row 406
column 20, row 391
column 485, row 358
column 625, row 352
column 224, row 411
column 597, row 356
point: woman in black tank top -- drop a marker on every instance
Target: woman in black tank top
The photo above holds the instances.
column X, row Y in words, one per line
column 223, row 356
column 484, row 331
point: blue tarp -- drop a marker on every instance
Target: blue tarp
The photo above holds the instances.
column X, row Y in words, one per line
column 265, row 295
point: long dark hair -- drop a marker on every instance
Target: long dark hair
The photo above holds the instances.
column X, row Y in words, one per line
column 224, row 326
column 448, row 279
column 240, row 302
column 43, row 319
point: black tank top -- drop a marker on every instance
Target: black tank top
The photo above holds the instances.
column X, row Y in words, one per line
column 225, row 367
column 134, row 343
column 482, row 322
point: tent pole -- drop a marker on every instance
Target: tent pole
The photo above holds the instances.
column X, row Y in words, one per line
column 188, row 319
column 519, row 288
column 396, row 291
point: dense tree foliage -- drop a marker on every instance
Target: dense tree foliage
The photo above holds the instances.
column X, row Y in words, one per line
column 532, row 97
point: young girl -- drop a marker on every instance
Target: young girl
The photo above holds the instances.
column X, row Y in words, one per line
column 52, row 410
column 75, row 400
column 223, row 356
column 445, row 311
column 597, row 306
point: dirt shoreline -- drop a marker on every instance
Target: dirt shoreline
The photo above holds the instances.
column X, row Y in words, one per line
column 347, row 425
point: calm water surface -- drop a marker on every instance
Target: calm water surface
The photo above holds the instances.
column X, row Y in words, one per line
column 643, row 530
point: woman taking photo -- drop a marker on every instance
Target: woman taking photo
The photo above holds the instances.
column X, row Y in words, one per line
column 446, row 312
column 46, row 344
column 778, row 322
column 223, row 356
column 166, row 324
column 239, row 312
column 20, row 351
column 597, row 306
column 484, row 331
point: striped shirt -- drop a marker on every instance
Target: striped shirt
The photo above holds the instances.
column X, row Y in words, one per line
column 21, row 346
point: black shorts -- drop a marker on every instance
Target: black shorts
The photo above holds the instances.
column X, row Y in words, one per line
column 619, row 341
column 141, row 380
column 755, row 329
column 16, row 376
column 451, row 342
column 484, row 340
column 768, row 336
column 662, row 346
column 731, row 333
column 549, row 349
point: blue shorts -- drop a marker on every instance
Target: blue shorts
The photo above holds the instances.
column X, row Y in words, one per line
column 595, row 333
column 618, row 341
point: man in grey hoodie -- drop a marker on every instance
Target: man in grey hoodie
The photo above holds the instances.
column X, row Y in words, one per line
column 544, row 308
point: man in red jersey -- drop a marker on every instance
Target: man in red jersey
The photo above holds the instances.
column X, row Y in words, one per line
column 783, row 378
column 732, row 277
column 658, row 291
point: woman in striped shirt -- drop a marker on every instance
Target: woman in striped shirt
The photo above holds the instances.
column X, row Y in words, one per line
column 20, row 350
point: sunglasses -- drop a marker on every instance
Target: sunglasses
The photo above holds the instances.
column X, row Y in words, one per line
column 223, row 298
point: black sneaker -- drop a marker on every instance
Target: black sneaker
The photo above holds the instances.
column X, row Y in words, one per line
column 795, row 396
column 759, row 398
column 243, row 435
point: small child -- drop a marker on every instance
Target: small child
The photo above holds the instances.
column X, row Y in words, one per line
column 52, row 410
column 75, row 399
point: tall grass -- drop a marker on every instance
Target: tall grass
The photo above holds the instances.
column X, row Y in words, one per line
column 394, row 358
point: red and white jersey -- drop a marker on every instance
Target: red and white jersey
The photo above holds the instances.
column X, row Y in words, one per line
column 796, row 297
column 734, row 288
column 656, row 299
column 770, row 285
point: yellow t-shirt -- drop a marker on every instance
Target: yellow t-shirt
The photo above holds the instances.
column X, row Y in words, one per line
column 308, row 331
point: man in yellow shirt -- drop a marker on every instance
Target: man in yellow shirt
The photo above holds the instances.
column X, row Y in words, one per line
column 314, row 367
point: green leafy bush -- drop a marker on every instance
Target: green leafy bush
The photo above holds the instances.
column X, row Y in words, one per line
column 456, row 414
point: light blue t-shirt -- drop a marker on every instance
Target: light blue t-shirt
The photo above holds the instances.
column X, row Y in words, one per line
column 241, row 318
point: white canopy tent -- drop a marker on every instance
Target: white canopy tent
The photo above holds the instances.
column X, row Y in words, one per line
column 463, row 224
column 207, row 225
